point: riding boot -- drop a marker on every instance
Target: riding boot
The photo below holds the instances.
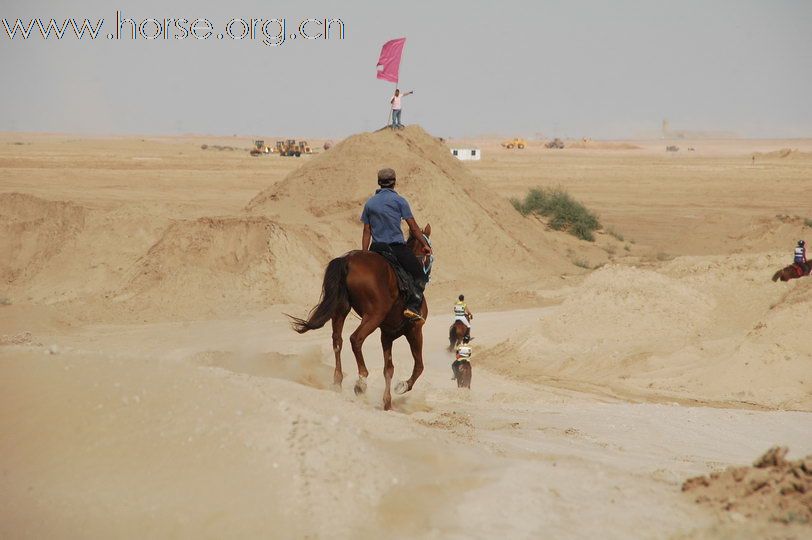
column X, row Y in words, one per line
column 415, row 301
column 468, row 333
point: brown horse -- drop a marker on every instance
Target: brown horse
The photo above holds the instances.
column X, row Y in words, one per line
column 463, row 374
column 366, row 282
column 792, row 271
column 455, row 334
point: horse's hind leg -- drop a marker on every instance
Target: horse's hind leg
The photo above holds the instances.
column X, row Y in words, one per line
column 367, row 326
column 338, row 341
column 415, row 338
column 388, row 369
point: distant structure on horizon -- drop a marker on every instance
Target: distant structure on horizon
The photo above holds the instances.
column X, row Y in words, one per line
column 466, row 154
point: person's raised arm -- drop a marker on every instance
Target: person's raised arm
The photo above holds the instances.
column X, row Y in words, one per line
column 366, row 237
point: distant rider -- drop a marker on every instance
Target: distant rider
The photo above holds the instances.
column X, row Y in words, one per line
column 464, row 353
column 463, row 314
column 800, row 256
column 381, row 217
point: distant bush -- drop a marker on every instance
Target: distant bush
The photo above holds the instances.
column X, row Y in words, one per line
column 612, row 232
column 582, row 263
column 563, row 212
column 808, row 222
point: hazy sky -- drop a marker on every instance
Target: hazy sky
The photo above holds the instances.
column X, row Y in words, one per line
column 603, row 69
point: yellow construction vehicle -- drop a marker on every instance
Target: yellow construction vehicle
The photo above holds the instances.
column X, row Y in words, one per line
column 288, row 148
column 259, row 148
column 515, row 143
column 291, row 147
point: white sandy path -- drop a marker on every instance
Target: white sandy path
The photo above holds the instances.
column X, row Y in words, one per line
column 180, row 449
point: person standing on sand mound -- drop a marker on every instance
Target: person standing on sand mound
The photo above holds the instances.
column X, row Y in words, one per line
column 395, row 101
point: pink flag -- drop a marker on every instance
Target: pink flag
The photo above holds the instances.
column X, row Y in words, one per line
column 389, row 62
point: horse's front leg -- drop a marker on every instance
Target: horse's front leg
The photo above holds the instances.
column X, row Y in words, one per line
column 415, row 338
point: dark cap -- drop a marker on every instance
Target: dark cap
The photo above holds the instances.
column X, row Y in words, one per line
column 386, row 177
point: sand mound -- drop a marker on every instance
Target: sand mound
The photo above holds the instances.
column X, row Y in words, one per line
column 277, row 250
column 649, row 312
column 637, row 301
column 779, row 232
column 476, row 232
column 784, row 153
column 698, row 329
column 602, row 145
column 230, row 262
column 773, row 488
column 32, row 231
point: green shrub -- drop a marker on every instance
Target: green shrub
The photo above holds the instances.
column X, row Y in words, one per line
column 563, row 212
column 808, row 222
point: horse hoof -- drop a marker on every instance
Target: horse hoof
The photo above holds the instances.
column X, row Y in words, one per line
column 402, row 387
column 360, row 386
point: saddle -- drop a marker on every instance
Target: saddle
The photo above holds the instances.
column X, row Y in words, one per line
column 801, row 269
column 405, row 280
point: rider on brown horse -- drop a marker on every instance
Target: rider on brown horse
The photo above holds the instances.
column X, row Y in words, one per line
column 800, row 257
column 381, row 217
column 463, row 314
column 463, row 355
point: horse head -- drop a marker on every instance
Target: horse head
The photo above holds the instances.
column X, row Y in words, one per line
column 426, row 259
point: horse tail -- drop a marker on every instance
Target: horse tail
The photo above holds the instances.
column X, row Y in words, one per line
column 334, row 297
column 777, row 275
column 452, row 337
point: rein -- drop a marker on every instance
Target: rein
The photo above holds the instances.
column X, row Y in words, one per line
column 427, row 265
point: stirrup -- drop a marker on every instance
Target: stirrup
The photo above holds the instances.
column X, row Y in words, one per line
column 411, row 315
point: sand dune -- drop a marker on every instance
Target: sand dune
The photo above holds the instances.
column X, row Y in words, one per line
column 683, row 331
column 225, row 264
column 33, row 231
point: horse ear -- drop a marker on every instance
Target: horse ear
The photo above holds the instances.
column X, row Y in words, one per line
column 427, row 230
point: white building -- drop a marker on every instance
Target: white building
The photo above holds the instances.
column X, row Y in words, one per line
column 466, row 154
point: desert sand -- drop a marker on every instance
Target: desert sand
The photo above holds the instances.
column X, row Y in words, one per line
column 151, row 385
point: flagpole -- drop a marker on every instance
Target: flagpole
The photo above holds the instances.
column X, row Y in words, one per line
column 389, row 116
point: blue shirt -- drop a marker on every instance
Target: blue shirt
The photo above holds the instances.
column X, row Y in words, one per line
column 383, row 212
